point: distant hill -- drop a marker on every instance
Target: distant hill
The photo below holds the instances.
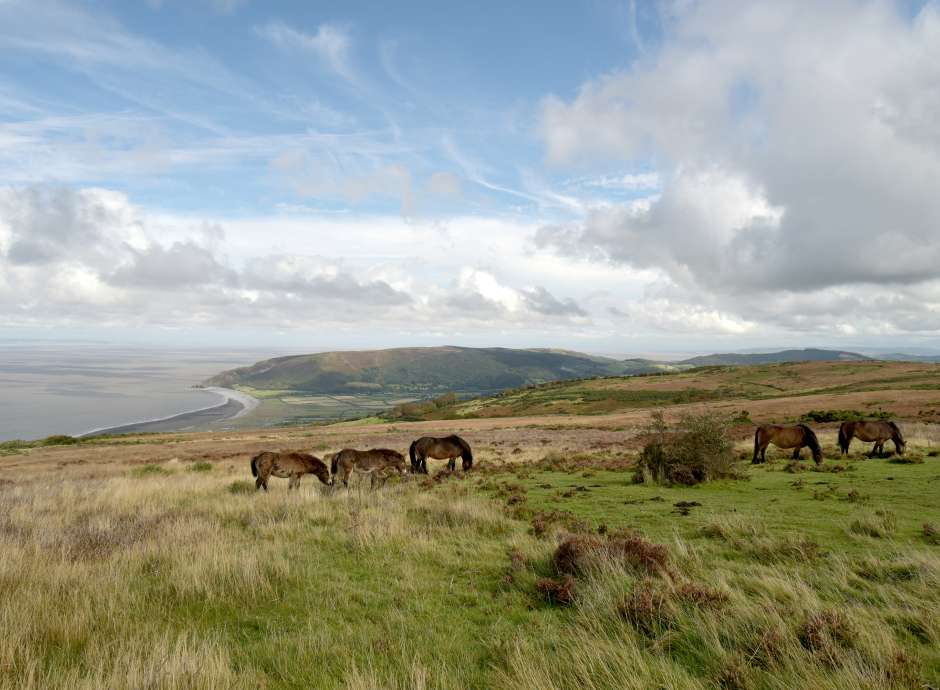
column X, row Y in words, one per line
column 428, row 370
column 903, row 357
column 806, row 355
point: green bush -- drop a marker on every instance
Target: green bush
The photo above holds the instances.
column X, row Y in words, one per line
column 693, row 451
column 241, row 486
column 821, row 416
column 201, row 466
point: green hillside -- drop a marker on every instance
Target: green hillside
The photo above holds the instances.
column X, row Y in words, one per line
column 423, row 371
column 805, row 355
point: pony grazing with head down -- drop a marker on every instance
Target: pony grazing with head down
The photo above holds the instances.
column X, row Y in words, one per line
column 447, row 448
column 290, row 465
column 877, row 432
column 795, row 437
column 377, row 463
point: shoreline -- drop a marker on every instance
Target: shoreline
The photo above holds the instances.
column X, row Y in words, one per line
column 235, row 404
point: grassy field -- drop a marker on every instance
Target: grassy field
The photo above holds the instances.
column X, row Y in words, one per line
column 150, row 562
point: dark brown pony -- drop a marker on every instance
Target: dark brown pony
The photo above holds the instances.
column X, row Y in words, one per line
column 377, row 462
column 448, row 447
column 289, row 465
column 795, row 437
column 877, row 432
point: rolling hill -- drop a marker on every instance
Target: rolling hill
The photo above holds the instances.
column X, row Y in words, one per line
column 781, row 357
column 427, row 370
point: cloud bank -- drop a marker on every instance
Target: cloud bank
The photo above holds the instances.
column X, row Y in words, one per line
column 798, row 161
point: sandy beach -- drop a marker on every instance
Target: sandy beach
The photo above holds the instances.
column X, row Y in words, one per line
column 235, row 405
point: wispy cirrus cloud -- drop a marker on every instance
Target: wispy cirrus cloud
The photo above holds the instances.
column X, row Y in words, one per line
column 330, row 43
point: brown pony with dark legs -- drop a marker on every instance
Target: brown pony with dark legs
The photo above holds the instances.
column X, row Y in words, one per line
column 447, row 448
column 795, row 437
column 377, row 462
column 291, row 465
column 877, row 432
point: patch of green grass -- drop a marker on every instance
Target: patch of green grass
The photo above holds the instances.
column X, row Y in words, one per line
column 241, row 486
column 201, row 466
column 150, row 470
column 911, row 493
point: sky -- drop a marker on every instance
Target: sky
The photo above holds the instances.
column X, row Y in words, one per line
column 606, row 176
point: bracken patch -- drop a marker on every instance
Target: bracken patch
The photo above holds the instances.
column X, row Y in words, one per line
column 577, row 554
column 559, row 592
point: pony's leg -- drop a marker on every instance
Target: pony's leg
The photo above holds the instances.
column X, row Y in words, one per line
column 259, row 482
column 763, row 455
column 372, row 481
column 796, row 453
column 452, row 464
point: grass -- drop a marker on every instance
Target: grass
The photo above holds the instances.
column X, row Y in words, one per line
column 709, row 384
column 153, row 562
column 194, row 580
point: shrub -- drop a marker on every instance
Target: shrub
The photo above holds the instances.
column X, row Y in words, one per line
column 649, row 609
column 579, row 553
column 694, row 451
column 560, row 592
column 59, row 440
column 821, row 416
column 200, row 467
column 826, row 634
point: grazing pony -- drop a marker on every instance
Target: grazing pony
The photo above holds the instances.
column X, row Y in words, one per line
column 879, row 432
column 449, row 448
column 795, row 437
column 375, row 462
column 291, row 465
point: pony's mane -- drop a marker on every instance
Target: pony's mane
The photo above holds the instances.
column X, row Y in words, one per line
column 811, row 440
column 896, row 430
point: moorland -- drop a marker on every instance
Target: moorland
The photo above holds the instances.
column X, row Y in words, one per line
column 150, row 560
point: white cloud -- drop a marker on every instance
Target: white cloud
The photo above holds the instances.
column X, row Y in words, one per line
column 69, row 256
column 330, row 43
column 796, row 160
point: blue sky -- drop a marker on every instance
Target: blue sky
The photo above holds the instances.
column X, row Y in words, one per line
column 218, row 106
column 609, row 175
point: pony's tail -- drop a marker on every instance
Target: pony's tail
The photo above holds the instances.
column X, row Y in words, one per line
column 334, row 463
column 254, row 466
column 843, row 439
column 413, row 454
column 756, row 445
column 812, row 442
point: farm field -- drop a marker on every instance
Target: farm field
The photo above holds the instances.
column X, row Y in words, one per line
column 150, row 561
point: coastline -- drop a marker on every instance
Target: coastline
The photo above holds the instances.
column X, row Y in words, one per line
column 235, row 404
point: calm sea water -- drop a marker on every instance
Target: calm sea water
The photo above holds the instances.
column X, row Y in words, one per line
column 71, row 389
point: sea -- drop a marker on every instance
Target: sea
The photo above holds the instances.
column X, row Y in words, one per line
column 74, row 389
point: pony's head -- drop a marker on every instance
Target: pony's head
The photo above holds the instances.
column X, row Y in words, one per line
column 813, row 443
column 898, row 438
column 323, row 474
